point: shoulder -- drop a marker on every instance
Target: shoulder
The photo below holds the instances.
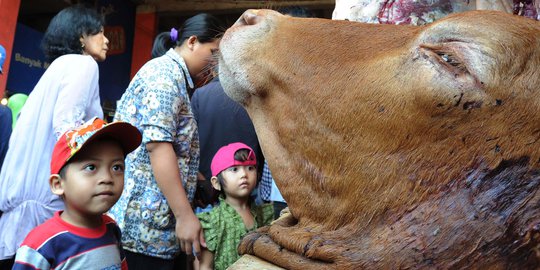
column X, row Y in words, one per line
column 78, row 58
column 159, row 71
column 209, row 217
column 5, row 113
column 76, row 61
column 266, row 207
column 43, row 233
column 216, row 218
column 111, row 224
column 211, row 86
column 264, row 214
column 211, row 94
column 107, row 219
column 163, row 64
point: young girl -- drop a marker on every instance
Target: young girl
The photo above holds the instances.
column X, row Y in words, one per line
column 234, row 174
column 154, row 211
column 66, row 96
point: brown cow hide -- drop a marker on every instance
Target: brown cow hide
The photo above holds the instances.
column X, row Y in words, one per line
column 394, row 146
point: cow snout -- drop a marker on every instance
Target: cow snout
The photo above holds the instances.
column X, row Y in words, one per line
column 250, row 17
column 241, row 48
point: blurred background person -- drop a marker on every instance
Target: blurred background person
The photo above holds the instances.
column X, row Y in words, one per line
column 66, row 96
column 5, row 117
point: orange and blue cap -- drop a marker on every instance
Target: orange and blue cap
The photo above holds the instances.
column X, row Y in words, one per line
column 71, row 142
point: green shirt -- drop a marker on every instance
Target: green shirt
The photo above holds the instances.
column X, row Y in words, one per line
column 223, row 229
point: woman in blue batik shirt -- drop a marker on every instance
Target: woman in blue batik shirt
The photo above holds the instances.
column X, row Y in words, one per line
column 154, row 211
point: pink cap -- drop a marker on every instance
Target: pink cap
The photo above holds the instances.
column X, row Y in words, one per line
column 224, row 158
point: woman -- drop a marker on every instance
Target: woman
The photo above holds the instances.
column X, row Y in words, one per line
column 66, row 95
column 155, row 212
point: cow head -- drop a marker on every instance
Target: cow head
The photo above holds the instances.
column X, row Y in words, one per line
column 373, row 128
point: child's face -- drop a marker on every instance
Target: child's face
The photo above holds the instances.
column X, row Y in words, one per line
column 94, row 180
column 239, row 181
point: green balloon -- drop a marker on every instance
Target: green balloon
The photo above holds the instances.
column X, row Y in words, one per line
column 15, row 103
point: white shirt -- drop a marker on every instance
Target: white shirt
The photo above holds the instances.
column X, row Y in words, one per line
column 275, row 195
column 66, row 96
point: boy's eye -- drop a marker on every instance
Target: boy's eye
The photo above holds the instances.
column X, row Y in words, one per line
column 251, row 168
column 233, row 169
column 118, row 168
column 90, row 167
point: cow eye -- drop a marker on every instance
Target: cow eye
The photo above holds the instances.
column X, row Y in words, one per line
column 450, row 59
column 446, row 57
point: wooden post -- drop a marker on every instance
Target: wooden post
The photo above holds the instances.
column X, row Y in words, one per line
column 145, row 31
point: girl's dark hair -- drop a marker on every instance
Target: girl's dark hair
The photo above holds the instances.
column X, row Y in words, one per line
column 240, row 155
column 66, row 28
column 204, row 26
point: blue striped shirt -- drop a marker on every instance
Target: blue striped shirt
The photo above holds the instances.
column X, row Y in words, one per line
column 57, row 244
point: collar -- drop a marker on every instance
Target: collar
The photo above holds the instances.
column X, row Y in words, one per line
column 180, row 61
column 230, row 209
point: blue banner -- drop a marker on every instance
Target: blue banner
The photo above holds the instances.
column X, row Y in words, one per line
column 119, row 29
column 27, row 60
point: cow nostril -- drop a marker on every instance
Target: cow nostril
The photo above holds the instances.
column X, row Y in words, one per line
column 251, row 17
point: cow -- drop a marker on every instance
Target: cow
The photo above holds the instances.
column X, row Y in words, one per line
column 394, row 146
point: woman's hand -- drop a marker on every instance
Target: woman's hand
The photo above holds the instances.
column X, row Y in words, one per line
column 190, row 234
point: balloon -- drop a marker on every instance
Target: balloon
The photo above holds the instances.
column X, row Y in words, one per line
column 15, row 103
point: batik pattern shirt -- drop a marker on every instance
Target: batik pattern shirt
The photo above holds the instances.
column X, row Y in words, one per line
column 265, row 187
column 224, row 228
column 157, row 103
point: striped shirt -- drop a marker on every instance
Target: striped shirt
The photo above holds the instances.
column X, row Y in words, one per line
column 57, row 244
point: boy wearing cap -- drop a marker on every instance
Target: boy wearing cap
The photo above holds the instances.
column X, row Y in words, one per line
column 87, row 171
column 234, row 174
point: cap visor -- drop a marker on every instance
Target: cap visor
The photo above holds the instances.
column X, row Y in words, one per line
column 127, row 135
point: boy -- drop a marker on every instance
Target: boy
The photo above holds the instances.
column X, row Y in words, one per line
column 87, row 171
column 234, row 174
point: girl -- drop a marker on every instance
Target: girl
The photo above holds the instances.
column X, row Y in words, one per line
column 234, row 174
column 154, row 211
column 66, row 96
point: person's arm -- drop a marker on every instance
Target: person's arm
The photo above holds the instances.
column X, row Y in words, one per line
column 188, row 228
column 206, row 261
column 30, row 259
